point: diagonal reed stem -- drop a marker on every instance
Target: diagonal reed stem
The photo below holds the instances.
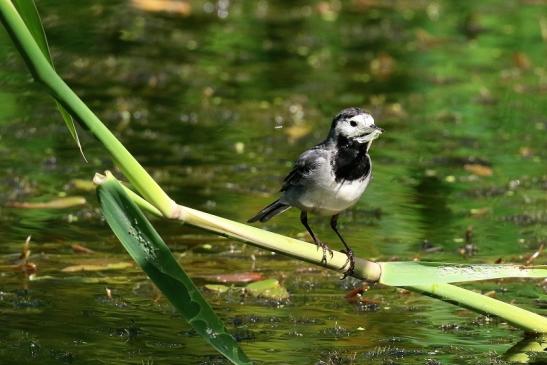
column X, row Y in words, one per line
column 45, row 74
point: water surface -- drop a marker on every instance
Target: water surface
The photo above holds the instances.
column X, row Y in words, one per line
column 216, row 104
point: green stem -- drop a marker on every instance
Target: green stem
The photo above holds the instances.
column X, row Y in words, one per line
column 518, row 317
column 44, row 73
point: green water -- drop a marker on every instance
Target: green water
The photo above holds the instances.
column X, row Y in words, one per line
column 216, row 105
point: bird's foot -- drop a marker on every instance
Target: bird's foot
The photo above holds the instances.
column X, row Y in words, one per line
column 325, row 249
column 351, row 261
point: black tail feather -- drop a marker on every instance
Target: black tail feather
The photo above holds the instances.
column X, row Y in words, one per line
column 270, row 211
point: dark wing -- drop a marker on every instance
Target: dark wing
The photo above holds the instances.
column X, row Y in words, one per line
column 303, row 167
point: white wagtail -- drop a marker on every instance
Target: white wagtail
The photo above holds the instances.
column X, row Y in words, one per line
column 331, row 176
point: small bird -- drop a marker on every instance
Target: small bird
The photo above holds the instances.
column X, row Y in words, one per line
column 330, row 177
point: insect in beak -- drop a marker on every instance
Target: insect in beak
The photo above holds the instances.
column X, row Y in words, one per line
column 374, row 126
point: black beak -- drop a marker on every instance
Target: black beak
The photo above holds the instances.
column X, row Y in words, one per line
column 374, row 126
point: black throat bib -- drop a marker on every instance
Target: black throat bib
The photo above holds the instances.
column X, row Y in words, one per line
column 351, row 161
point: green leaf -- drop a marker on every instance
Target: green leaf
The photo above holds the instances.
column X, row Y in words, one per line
column 147, row 248
column 423, row 273
column 29, row 13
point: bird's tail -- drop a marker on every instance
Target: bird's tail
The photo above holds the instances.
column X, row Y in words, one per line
column 277, row 207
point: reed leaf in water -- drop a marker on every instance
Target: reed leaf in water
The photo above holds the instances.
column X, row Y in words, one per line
column 148, row 250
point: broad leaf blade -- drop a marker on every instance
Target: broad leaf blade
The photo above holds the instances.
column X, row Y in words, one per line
column 29, row 13
column 421, row 273
column 147, row 248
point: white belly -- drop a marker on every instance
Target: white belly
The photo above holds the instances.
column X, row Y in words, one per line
column 328, row 197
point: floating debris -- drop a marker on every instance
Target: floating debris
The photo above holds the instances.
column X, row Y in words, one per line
column 478, row 169
column 242, row 277
column 25, row 252
column 217, row 288
column 167, row 6
column 81, row 249
column 535, row 255
column 23, row 263
column 113, row 280
column 479, row 212
column 83, row 184
column 98, row 267
column 59, row 203
column 490, row 293
column 469, row 248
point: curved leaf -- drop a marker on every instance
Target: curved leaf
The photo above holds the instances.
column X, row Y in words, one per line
column 147, row 248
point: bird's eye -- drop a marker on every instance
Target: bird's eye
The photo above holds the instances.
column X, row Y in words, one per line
column 353, row 123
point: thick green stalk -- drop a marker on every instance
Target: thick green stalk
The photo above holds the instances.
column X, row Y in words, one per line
column 44, row 73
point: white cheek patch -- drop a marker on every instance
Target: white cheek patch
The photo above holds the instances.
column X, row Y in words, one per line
column 364, row 119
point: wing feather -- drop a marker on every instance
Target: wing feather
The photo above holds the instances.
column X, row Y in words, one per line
column 303, row 167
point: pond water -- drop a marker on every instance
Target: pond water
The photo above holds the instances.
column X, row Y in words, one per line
column 216, row 100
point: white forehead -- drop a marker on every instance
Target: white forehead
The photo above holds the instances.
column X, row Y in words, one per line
column 365, row 119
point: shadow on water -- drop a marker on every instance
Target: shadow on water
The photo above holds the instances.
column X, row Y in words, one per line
column 432, row 196
column 531, row 350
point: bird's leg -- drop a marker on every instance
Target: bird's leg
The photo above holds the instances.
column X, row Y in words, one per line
column 348, row 251
column 324, row 247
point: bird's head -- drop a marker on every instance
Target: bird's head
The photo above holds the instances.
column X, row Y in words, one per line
column 354, row 124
